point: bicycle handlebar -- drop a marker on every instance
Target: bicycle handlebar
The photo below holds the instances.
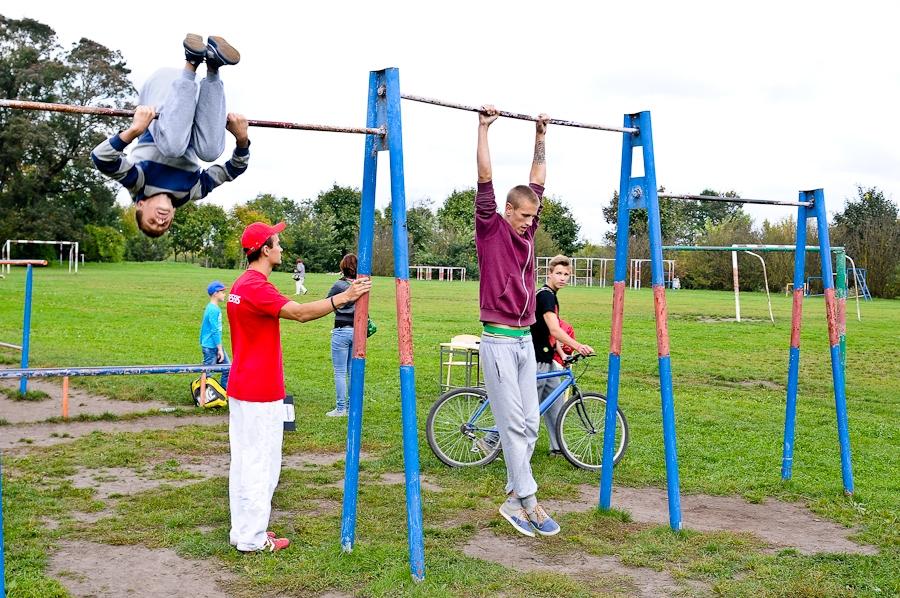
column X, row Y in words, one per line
column 575, row 358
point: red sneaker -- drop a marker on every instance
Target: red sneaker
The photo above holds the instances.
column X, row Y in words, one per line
column 276, row 544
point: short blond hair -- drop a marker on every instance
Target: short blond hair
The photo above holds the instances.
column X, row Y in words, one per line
column 521, row 193
column 559, row 260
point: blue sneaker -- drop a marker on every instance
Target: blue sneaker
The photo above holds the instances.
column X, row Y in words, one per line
column 194, row 49
column 219, row 52
column 542, row 522
column 519, row 521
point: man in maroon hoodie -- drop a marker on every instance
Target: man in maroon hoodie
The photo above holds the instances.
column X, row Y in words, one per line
column 505, row 246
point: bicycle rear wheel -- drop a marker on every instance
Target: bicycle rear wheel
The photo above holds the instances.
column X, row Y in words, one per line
column 580, row 431
column 454, row 437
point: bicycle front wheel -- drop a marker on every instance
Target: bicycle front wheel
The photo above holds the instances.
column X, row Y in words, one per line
column 455, row 435
column 580, row 431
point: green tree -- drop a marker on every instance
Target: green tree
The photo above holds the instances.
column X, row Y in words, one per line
column 103, row 244
column 869, row 230
column 339, row 209
column 48, row 188
column 559, row 223
column 457, row 213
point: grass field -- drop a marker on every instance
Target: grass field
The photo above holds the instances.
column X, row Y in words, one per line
column 729, row 384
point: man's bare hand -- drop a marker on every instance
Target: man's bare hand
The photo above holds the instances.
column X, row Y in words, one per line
column 585, row 349
column 236, row 124
column 487, row 115
column 358, row 288
column 541, row 124
column 143, row 116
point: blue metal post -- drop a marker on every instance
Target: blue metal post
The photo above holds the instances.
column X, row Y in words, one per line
column 615, row 335
column 667, row 398
column 790, row 409
column 26, row 328
column 404, row 327
column 639, row 192
column 837, row 370
column 361, row 313
column 2, row 557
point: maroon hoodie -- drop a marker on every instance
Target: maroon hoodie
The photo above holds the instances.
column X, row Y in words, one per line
column 506, row 262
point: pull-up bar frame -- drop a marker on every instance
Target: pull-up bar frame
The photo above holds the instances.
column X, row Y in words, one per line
column 641, row 192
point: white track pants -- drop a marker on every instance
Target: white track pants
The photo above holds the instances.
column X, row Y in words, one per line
column 255, row 431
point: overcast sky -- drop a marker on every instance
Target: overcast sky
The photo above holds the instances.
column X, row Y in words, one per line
column 765, row 98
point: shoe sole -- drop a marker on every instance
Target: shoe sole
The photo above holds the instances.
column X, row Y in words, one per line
column 553, row 533
column 223, row 50
column 528, row 533
column 194, row 43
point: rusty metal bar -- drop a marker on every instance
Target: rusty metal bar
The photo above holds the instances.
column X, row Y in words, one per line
column 99, row 111
column 768, row 202
column 516, row 115
column 23, row 262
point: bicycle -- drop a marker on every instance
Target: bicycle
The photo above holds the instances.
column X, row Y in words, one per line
column 461, row 430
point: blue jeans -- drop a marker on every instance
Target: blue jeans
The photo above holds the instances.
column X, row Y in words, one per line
column 341, row 351
column 211, row 357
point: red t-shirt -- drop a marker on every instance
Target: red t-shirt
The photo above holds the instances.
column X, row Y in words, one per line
column 257, row 372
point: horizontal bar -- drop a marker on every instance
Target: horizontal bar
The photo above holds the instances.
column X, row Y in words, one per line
column 11, row 346
column 99, row 111
column 23, row 262
column 768, row 202
column 553, row 121
column 776, row 248
column 111, row 370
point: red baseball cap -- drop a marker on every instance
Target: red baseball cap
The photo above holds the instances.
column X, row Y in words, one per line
column 256, row 234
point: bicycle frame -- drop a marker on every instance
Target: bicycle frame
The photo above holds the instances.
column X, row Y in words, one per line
column 568, row 380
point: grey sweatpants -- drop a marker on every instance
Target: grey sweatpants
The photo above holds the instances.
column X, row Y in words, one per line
column 509, row 378
column 191, row 121
column 544, row 388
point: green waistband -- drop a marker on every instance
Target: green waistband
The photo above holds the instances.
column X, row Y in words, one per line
column 490, row 329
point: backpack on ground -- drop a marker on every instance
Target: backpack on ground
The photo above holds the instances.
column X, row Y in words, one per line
column 215, row 394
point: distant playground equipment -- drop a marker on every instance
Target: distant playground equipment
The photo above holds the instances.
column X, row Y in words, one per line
column 73, row 255
column 860, row 287
column 442, row 273
column 635, row 272
column 586, row 271
column 840, row 274
column 26, row 314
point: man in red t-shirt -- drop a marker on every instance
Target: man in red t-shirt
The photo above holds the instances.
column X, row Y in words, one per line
column 256, row 386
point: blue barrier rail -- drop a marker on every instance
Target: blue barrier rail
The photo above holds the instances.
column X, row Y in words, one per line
column 112, row 370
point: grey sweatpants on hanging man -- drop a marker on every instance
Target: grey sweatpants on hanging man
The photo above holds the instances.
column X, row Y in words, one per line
column 509, row 378
column 191, row 122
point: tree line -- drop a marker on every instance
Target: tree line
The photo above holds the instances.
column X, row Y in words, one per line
column 49, row 190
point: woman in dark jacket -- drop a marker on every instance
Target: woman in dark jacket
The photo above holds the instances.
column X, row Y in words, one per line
column 342, row 337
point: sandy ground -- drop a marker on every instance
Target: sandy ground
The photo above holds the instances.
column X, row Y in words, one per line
column 80, row 402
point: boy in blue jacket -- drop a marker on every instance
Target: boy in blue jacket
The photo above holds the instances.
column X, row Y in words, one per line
column 211, row 330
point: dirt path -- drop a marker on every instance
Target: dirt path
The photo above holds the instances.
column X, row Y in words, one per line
column 80, row 403
column 518, row 554
column 779, row 523
column 24, row 436
column 91, row 569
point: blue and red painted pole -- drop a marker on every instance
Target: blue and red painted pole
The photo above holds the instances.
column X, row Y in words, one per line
column 834, row 338
column 404, row 329
column 790, row 409
column 640, row 192
column 360, row 324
